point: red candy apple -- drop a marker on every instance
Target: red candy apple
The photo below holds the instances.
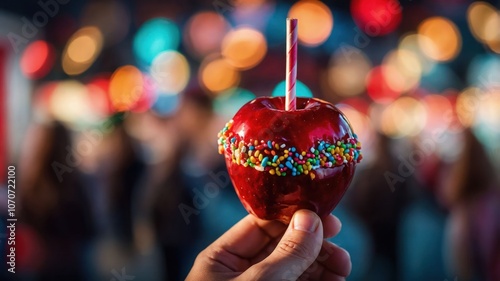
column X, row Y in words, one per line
column 281, row 161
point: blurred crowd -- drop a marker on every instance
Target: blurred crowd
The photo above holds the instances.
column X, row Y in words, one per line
column 115, row 137
column 131, row 195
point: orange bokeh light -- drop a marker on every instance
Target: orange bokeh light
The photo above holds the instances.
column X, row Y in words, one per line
column 444, row 39
column 126, row 87
column 244, row 48
column 218, row 75
column 82, row 50
column 315, row 21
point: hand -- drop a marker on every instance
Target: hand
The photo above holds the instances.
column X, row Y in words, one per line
column 254, row 249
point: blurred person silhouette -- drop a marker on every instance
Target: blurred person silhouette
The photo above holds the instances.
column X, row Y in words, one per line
column 158, row 221
column 203, row 171
column 471, row 192
column 53, row 202
column 420, row 235
column 121, row 170
column 113, row 171
column 379, row 208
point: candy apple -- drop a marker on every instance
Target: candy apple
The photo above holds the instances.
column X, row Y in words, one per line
column 280, row 161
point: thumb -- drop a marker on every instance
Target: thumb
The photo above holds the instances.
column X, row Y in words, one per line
column 297, row 249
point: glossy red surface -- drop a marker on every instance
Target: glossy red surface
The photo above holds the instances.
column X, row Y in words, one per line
column 273, row 197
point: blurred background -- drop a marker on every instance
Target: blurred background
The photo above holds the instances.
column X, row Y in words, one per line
column 110, row 112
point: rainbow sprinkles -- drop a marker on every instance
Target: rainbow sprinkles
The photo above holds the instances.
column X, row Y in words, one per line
column 281, row 160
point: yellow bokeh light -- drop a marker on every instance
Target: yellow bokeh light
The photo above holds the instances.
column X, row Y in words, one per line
column 218, row 75
column 444, row 39
column 488, row 113
column 479, row 14
column 126, row 87
column 315, row 21
column 82, row 50
column 467, row 105
column 484, row 22
column 405, row 117
column 244, row 47
column 410, row 42
column 70, row 102
column 492, row 28
column 401, row 70
column 347, row 74
column 170, row 71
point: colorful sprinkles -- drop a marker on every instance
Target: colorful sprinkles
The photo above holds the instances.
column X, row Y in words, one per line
column 280, row 160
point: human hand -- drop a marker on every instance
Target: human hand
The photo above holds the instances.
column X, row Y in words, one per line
column 255, row 249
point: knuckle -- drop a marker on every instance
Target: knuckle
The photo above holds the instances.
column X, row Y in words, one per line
column 291, row 247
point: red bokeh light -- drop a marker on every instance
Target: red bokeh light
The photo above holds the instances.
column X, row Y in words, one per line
column 147, row 96
column 98, row 89
column 377, row 87
column 376, row 17
column 37, row 59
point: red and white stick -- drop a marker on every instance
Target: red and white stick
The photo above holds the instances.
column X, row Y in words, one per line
column 291, row 64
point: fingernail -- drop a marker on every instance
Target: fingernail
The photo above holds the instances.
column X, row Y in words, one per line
column 304, row 220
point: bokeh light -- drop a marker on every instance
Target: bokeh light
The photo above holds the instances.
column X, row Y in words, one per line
column 359, row 121
column 155, row 36
column 37, row 59
column 70, row 103
column 347, row 72
column 315, row 21
column 301, row 90
column 126, row 87
column 444, row 39
column 401, row 70
column 165, row 105
column 244, row 47
column 404, row 117
column 41, row 100
column 229, row 102
column 439, row 111
column 217, row 75
column 376, row 17
column 377, row 87
column 98, row 90
column 410, row 42
column 484, row 71
column 484, row 22
column 204, row 33
column 147, row 96
column 82, row 50
column 467, row 105
column 489, row 111
column 170, row 71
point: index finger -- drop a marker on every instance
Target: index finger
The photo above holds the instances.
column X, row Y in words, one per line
column 249, row 236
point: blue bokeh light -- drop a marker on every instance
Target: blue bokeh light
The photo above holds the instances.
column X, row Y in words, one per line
column 153, row 37
column 301, row 89
column 230, row 101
